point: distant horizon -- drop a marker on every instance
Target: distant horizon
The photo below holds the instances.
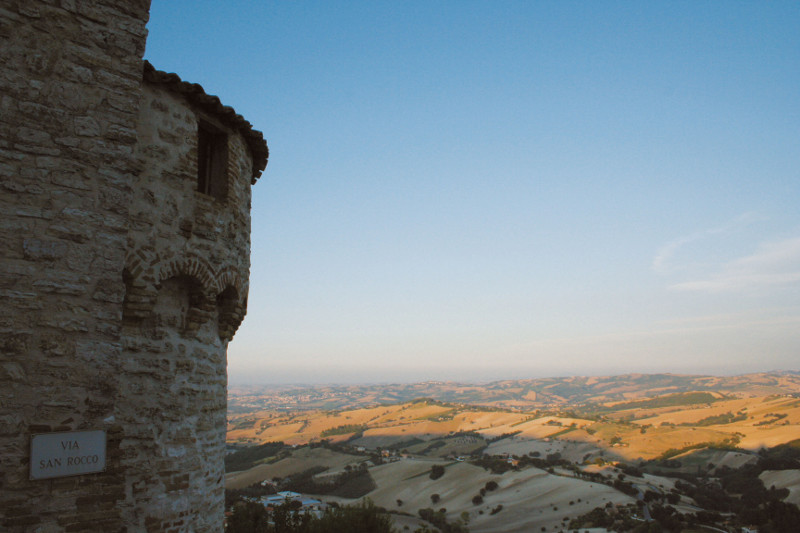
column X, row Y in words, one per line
column 233, row 382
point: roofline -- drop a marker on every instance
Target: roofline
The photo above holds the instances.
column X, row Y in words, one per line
column 211, row 104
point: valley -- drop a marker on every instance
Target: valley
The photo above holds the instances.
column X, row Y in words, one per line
column 617, row 453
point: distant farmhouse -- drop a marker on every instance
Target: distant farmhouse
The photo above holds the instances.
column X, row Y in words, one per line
column 124, row 261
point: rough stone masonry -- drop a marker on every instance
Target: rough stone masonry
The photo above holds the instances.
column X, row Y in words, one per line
column 124, row 264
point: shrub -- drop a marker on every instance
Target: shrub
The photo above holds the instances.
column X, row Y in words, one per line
column 437, row 471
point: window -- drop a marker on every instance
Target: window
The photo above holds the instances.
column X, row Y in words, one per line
column 212, row 160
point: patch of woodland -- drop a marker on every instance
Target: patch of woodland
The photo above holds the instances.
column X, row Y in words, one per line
column 249, row 457
column 351, row 483
column 251, row 517
column 728, row 497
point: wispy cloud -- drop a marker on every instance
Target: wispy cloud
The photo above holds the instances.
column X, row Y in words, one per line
column 773, row 264
column 662, row 262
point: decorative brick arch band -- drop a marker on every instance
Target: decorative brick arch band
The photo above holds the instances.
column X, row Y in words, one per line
column 224, row 290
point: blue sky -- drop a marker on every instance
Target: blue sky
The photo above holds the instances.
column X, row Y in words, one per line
column 483, row 190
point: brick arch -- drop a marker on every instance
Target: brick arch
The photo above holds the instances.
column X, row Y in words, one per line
column 192, row 266
column 229, row 277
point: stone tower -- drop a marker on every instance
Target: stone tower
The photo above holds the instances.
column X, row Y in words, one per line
column 124, row 263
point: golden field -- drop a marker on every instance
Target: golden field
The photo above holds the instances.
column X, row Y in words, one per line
column 629, row 434
column 695, row 430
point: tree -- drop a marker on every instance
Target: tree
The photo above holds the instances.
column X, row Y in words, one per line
column 437, row 471
column 439, row 520
column 651, row 496
column 435, row 498
column 249, row 517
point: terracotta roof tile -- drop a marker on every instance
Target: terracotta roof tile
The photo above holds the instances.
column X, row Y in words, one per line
column 195, row 94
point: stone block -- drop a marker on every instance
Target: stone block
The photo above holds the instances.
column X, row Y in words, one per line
column 87, row 126
column 44, row 249
column 33, row 135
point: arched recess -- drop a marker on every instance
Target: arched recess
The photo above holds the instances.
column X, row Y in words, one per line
column 231, row 301
column 198, row 277
column 230, row 312
column 182, row 305
column 201, row 304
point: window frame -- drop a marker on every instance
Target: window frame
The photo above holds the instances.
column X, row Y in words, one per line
column 212, row 160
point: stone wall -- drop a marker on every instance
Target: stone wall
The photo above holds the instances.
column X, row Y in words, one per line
column 69, row 98
column 187, row 265
column 121, row 283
